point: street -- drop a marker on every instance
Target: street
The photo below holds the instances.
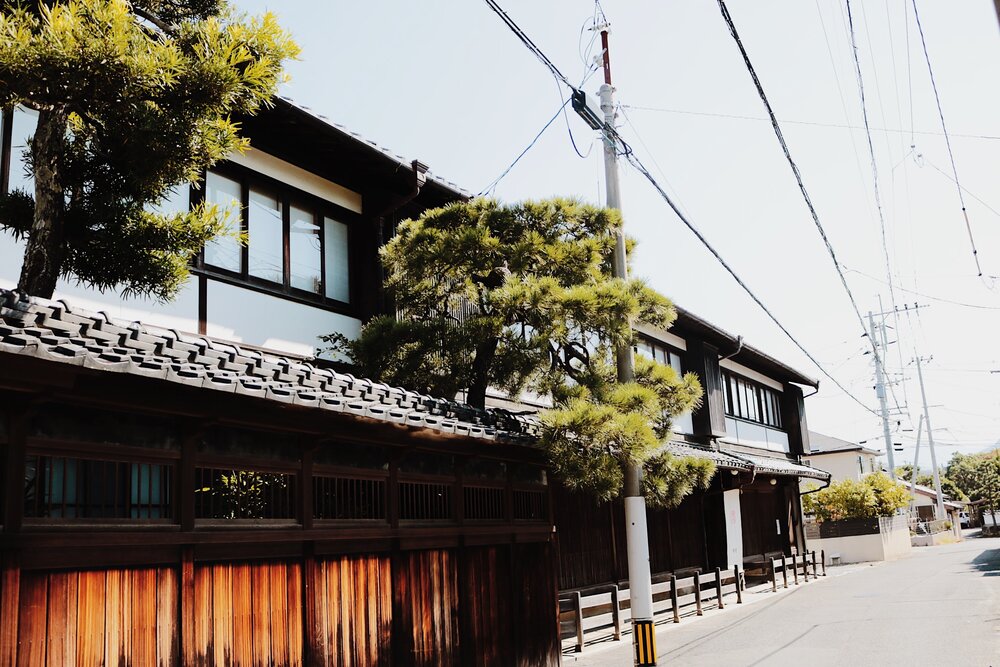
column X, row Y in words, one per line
column 939, row 606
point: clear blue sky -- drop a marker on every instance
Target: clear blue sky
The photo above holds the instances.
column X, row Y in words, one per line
column 446, row 82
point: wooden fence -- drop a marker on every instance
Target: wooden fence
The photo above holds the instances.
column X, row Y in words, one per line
column 607, row 607
column 791, row 566
column 490, row 605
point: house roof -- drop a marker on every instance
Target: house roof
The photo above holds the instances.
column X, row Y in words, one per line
column 57, row 332
column 723, row 460
column 928, row 491
column 778, row 466
column 728, row 460
column 747, row 355
column 820, row 444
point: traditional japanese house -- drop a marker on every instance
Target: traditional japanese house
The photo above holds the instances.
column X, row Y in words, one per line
column 751, row 424
column 186, row 484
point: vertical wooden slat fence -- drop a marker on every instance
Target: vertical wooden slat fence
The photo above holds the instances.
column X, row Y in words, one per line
column 249, row 613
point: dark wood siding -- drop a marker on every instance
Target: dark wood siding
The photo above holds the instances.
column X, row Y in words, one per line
column 794, row 417
column 114, row 617
column 487, row 597
column 353, row 611
column 710, row 419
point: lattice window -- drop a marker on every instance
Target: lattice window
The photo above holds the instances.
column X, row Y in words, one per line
column 244, row 494
column 348, row 499
column 60, row 487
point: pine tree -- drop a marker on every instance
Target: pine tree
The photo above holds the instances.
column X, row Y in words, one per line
column 133, row 99
column 519, row 297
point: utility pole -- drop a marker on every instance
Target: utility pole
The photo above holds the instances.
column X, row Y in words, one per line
column 640, row 583
column 880, row 393
column 916, row 464
column 930, row 441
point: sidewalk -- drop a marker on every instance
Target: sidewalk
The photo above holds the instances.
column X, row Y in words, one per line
column 603, row 651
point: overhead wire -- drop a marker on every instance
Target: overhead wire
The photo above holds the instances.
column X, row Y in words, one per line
column 795, row 169
column 924, row 295
column 627, row 152
column 785, row 121
column 871, row 152
column 947, row 140
column 496, row 181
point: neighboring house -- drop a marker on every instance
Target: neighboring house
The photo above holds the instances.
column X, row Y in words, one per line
column 751, row 424
column 924, row 503
column 843, row 459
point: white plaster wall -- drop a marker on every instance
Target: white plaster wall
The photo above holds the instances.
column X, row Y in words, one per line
column 895, row 537
column 853, row 549
column 181, row 313
column 244, row 316
column 891, row 543
column 756, row 435
column 734, row 527
column 841, row 465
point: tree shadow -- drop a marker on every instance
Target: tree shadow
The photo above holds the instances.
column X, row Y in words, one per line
column 988, row 562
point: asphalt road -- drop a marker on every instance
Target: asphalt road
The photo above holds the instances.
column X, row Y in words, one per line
column 939, row 606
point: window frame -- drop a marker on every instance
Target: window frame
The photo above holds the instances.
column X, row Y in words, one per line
column 287, row 196
column 739, row 391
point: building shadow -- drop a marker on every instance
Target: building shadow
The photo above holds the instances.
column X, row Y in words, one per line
column 988, row 562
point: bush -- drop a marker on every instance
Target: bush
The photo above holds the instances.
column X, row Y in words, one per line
column 874, row 496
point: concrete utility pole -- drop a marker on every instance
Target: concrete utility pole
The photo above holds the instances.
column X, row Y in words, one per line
column 916, row 464
column 640, row 583
column 880, row 392
column 930, row 441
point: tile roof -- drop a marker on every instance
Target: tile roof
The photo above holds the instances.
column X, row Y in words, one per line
column 55, row 331
column 721, row 459
column 774, row 466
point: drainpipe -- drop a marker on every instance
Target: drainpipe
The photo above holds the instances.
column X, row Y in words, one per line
column 739, row 348
column 419, row 178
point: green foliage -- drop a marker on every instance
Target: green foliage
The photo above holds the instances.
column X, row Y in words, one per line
column 978, row 476
column 242, row 494
column 143, row 97
column 510, row 296
column 874, row 496
column 601, row 425
column 521, row 297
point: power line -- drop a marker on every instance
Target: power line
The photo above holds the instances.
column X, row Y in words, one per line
column 871, row 152
column 926, row 296
column 794, row 167
column 947, row 140
column 531, row 46
column 638, row 165
column 527, row 148
column 784, row 121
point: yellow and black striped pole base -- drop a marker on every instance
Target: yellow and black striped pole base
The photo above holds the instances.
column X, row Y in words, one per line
column 645, row 643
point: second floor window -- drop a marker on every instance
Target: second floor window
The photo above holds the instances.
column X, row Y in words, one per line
column 292, row 243
column 751, row 400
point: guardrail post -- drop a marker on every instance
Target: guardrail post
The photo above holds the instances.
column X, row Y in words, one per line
column 578, row 616
column 673, row 599
column 822, row 555
column 814, row 565
column 718, row 587
column 795, row 568
column 697, row 593
column 739, row 584
column 616, row 612
column 805, row 566
column 784, row 570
